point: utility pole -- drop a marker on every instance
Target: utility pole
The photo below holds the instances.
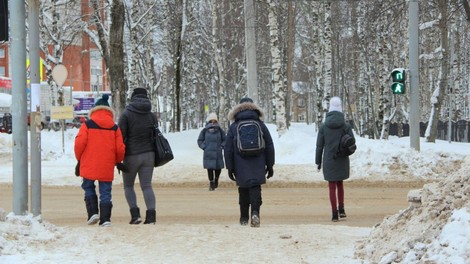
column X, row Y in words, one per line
column 413, row 35
column 35, row 106
column 18, row 107
column 250, row 50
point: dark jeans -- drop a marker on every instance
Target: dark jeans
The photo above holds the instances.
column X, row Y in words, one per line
column 249, row 196
column 105, row 190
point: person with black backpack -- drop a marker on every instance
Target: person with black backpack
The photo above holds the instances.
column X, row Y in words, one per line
column 330, row 151
column 249, row 157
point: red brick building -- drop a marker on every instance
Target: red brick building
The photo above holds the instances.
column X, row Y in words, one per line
column 86, row 69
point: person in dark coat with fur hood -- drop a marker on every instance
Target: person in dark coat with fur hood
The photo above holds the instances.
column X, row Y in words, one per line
column 248, row 171
column 212, row 140
column 98, row 147
column 335, row 169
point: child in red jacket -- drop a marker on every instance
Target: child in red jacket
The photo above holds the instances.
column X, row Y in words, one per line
column 98, row 147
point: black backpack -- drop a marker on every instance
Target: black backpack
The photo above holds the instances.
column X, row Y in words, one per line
column 347, row 146
column 250, row 139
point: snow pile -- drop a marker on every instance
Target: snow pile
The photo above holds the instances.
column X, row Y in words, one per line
column 430, row 230
column 28, row 230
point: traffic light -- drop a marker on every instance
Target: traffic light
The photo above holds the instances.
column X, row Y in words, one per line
column 398, row 81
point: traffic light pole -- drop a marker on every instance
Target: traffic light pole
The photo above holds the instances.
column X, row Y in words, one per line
column 413, row 35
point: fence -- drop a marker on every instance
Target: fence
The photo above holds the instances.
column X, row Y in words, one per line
column 460, row 130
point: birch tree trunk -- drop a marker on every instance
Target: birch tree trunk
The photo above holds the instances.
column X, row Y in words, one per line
column 439, row 94
column 219, row 59
column 290, row 57
column 279, row 92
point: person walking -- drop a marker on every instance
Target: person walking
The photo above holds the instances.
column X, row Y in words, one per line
column 98, row 147
column 137, row 126
column 212, row 140
column 335, row 168
column 249, row 165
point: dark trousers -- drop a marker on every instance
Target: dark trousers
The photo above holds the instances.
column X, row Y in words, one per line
column 249, row 196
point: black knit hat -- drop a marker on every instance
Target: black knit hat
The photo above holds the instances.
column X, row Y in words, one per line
column 137, row 91
column 246, row 100
column 103, row 100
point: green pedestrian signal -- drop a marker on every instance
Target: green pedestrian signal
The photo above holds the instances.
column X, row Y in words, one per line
column 398, row 81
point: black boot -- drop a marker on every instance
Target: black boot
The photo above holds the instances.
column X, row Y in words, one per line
column 105, row 216
column 244, row 215
column 211, row 186
column 216, row 182
column 334, row 218
column 135, row 216
column 150, row 217
column 342, row 213
column 255, row 221
column 91, row 203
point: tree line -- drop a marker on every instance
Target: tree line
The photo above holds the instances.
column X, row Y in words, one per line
column 190, row 55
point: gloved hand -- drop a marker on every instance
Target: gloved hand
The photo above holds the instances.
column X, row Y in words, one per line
column 269, row 172
column 77, row 169
column 122, row 167
column 231, row 175
column 319, row 167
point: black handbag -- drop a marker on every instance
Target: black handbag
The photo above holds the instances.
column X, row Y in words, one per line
column 163, row 153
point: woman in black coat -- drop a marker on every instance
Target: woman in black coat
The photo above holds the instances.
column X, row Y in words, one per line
column 212, row 140
column 335, row 169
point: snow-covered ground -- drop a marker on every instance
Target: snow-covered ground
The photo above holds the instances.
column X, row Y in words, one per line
column 436, row 229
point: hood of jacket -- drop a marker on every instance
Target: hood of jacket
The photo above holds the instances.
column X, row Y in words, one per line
column 334, row 120
column 103, row 116
column 140, row 104
column 245, row 111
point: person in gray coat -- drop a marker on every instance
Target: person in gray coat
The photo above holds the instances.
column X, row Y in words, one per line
column 335, row 169
column 212, row 140
column 249, row 172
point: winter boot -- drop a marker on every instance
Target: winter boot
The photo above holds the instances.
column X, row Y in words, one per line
column 342, row 213
column 255, row 221
column 216, row 182
column 150, row 217
column 334, row 218
column 135, row 216
column 244, row 215
column 211, row 186
column 91, row 203
column 105, row 216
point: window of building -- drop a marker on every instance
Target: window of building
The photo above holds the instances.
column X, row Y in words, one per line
column 2, row 71
column 2, row 53
column 301, row 102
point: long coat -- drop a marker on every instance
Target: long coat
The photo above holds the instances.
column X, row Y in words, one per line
column 212, row 140
column 99, row 148
column 327, row 145
column 249, row 171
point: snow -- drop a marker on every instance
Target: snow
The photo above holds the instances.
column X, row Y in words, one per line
column 436, row 223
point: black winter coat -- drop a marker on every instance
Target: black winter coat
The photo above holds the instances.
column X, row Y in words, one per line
column 249, row 171
column 137, row 125
column 212, row 140
column 327, row 145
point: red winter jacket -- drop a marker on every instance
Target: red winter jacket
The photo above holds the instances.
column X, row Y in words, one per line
column 99, row 145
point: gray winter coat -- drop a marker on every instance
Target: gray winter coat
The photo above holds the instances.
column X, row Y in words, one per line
column 249, row 171
column 211, row 140
column 327, row 145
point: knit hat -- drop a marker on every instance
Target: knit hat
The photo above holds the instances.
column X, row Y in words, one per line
column 335, row 104
column 139, row 91
column 212, row 116
column 246, row 100
column 103, row 100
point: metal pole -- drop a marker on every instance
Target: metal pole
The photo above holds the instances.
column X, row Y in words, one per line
column 18, row 107
column 413, row 35
column 250, row 51
column 35, row 107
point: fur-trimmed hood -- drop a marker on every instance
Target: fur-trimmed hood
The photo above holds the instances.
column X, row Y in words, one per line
column 235, row 113
column 102, row 115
